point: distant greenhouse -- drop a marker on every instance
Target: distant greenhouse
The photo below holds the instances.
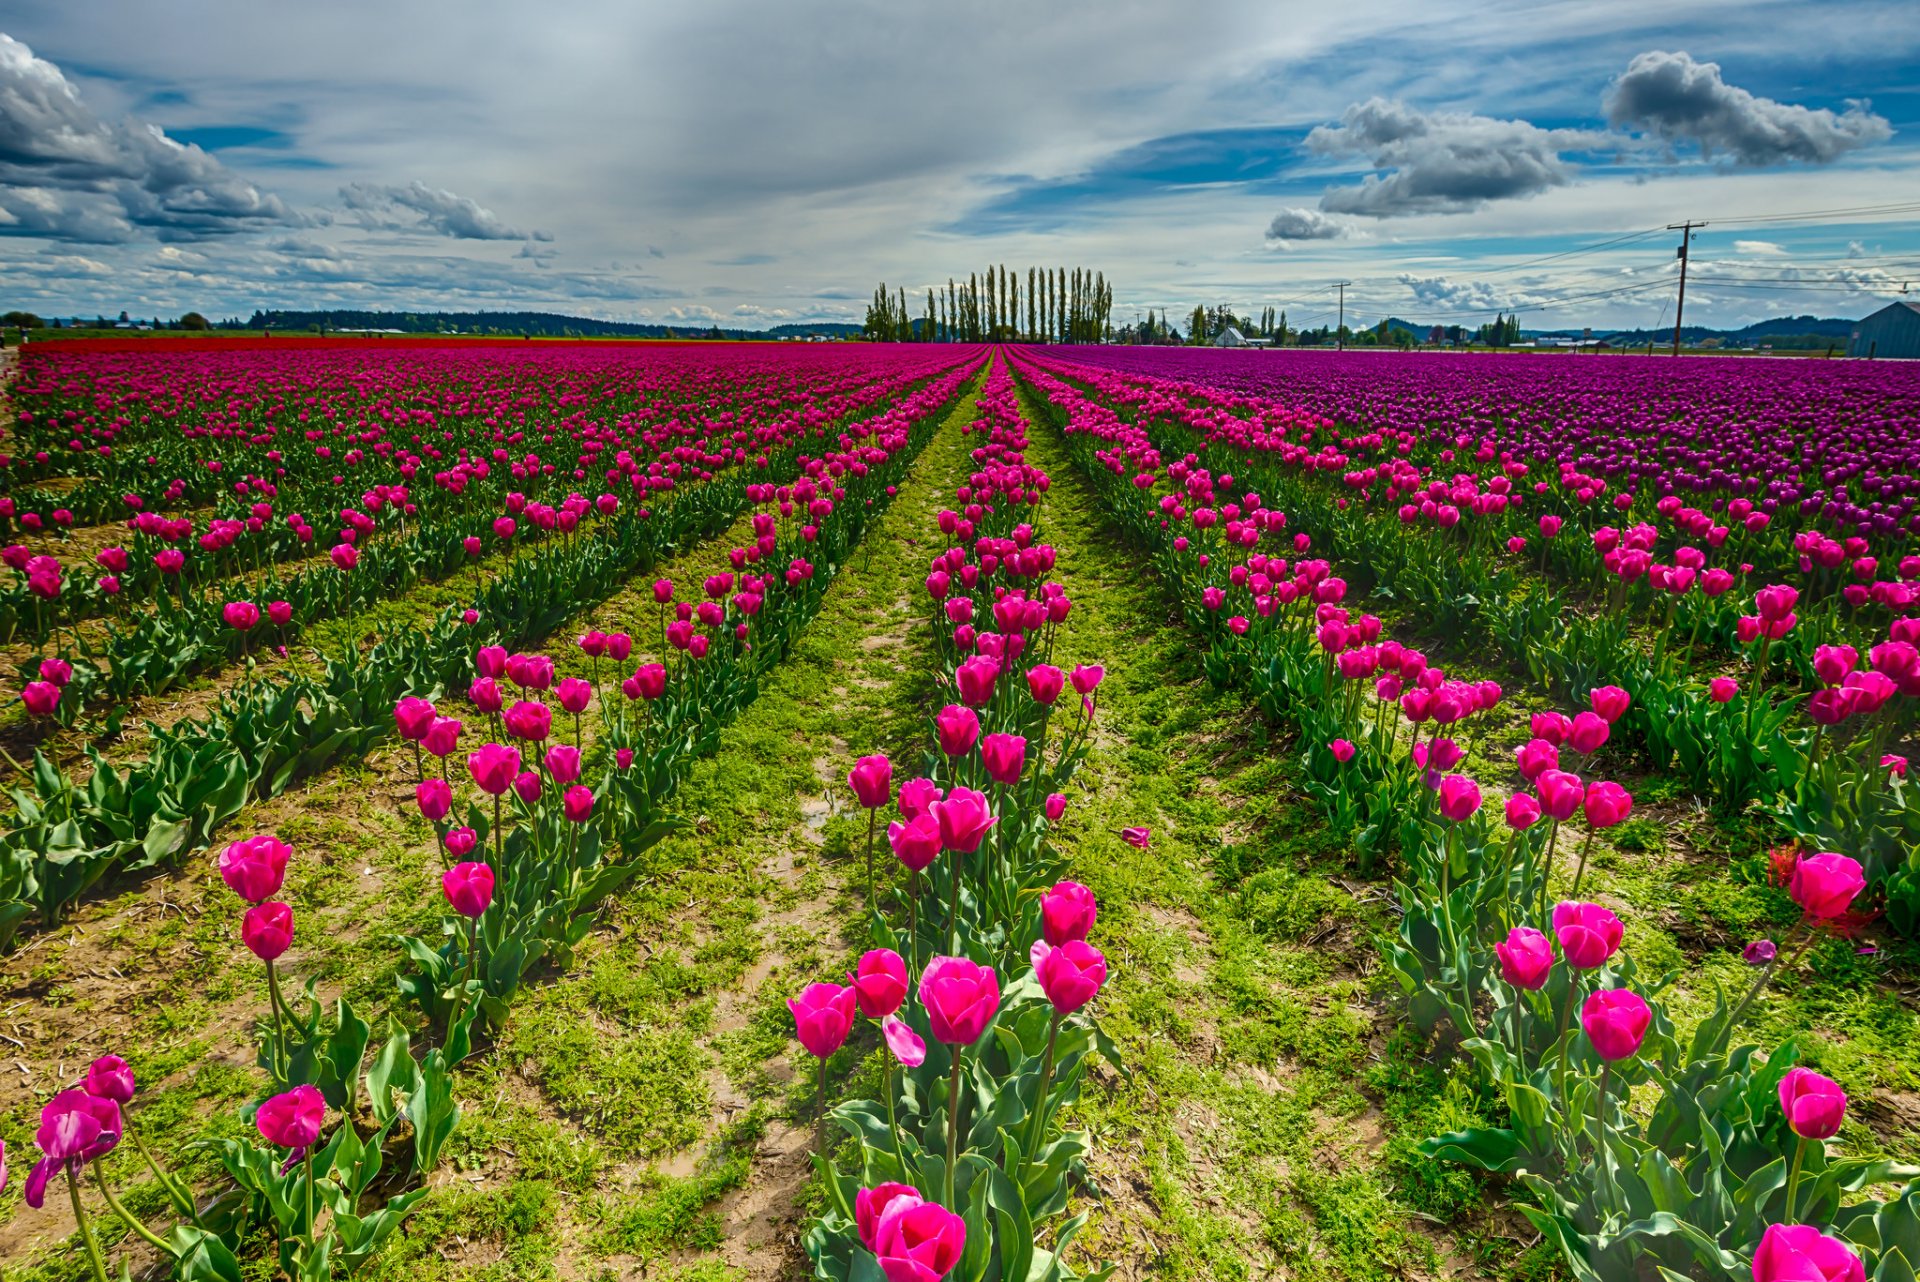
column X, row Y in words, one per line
column 1892, row 333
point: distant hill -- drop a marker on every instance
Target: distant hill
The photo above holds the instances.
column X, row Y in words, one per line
column 1781, row 331
column 542, row 324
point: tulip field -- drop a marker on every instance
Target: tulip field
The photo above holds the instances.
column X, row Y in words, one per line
column 904, row 812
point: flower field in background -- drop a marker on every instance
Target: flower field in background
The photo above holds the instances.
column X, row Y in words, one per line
column 708, row 812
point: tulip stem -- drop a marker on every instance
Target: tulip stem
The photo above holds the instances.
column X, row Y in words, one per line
column 306, row 1162
column 913, row 925
column 1566, row 1018
column 181, row 1195
column 953, row 909
column 1580, row 871
column 86, row 1229
column 1793, row 1174
column 1036, row 1127
column 1599, row 1137
column 953, row 1124
column 893, row 1124
column 279, row 1021
column 1546, row 867
column 873, row 818
column 820, row 1108
column 133, row 1221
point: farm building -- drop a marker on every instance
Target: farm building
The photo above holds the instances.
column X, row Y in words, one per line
column 1893, row 332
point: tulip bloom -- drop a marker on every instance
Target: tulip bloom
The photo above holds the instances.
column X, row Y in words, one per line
column 1615, row 1020
column 75, row 1128
column 1802, row 1253
column 870, row 1204
column 872, row 781
column 563, row 763
column 1610, row 702
column 975, row 679
column 1044, row 682
column 254, row 868
column 822, row 1017
column 529, row 720
column 1342, row 750
column 905, row 1044
column 469, row 888
column 413, row 717
column 1526, row 958
column 1825, row 885
column 493, row 767
column 1067, row 912
column 1560, row 794
column 1814, row 1105
column 918, row 1242
column 1138, row 838
column 109, row 1077
column 1071, row 974
column 1459, row 798
column 880, row 981
column 267, row 930
column 1523, row 811
column 961, row 998
column 1005, row 757
column 435, row 799
column 1607, row 804
column 1588, row 733
column 958, row 728
column 964, row 819
column 576, row 804
column 1589, row 935
column 41, row 698
column 293, row 1119
column 1723, row 689
column 916, row 843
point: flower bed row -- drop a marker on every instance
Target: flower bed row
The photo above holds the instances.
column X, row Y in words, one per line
column 981, row 969
column 1727, row 1174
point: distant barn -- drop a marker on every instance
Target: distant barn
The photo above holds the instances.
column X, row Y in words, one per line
column 1892, row 333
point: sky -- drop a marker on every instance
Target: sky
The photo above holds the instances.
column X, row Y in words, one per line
column 749, row 163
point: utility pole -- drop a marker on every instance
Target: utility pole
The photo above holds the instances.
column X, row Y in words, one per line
column 1686, row 237
column 1339, row 334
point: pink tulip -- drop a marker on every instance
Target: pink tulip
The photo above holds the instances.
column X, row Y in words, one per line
column 563, row 763
column 267, row 930
column 1071, row 974
column 1138, row 838
column 1560, row 793
column 961, row 998
column 1802, row 1253
column 964, row 819
column 1056, row 803
column 491, row 661
column 916, row 843
column 1589, row 935
column 435, row 799
column 1523, row 811
column 292, row 1120
column 442, row 737
column 1342, row 750
column 279, row 613
column 1610, row 702
column 1086, row 679
column 108, row 1078
column 880, row 982
column 1607, row 804
column 240, row 615
column 576, row 804
column 529, row 720
column 1615, row 1021
column 1589, row 732
column 413, row 716
column 1004, row 756
column 958, row 728
column 916, row 795
column 822, row 1017
column 461, row 842
column 872, row 781
column 527, row 787
column 649, row 682
column 1825, row 885
column 493, row 767
column 469, row 888
column 918, row 1243
column 1535, row 756
column 1459, row 798
column 870, row 1204
column 255, row 867
column 41, row 698
column 75, row 1128
column 56, row 672
column 1723, row 689
column 1895, row 765
column 1525, row 958
column 484, row 694
column 1067, row 912
column 1044, row 682
column 575, row 694
column 1554, row 727
column 1814, row 1105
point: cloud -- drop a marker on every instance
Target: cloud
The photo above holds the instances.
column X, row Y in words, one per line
column 1758, row 249
column 1305, row 224
column 1439, row 162
column 418, row 207
column 1678, row 100
column 66, row 174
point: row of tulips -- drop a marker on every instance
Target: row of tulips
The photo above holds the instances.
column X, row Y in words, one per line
column 1715, row 1179
column 263, row 736
column 1821, row 763
column 982, row 970
column 523, row 865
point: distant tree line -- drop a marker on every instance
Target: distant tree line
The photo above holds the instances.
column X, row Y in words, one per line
column 1058, row 306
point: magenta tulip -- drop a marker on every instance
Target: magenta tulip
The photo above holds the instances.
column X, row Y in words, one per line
column 916, row 843
column 880, row 981
column 255, row 868
column 292, row 1120
column 1607, row 804
column 576, row 804
column 1589, row 732
column 493, row 767
column 1610, row 702
column 109, row 1077
column 1071, row 974
column 435, row 799
column 822, row 1017
column 870, row 1204
column 413, row 717
column 919, row 1242
column 958, row 728
column 1005, row 757
column 1589, row 935
column 1814, row 1105
column 906, row 1045
column 267, row 930
column 1067, row 912
column 1615, row 1021
column 1825, row 885
column 872, row 781
column 1523, row 811
column 1802, row 1253
column 1526, row 958
column 1560, row 794
column 964, row 818
column 961, row 998
column 469, row 888
column 1044, row 682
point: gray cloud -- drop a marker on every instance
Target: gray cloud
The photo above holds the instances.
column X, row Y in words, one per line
column 1678, row 100
column 418, row 207
column 1305, row 224
column 1439, row 162
column 66, row 174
